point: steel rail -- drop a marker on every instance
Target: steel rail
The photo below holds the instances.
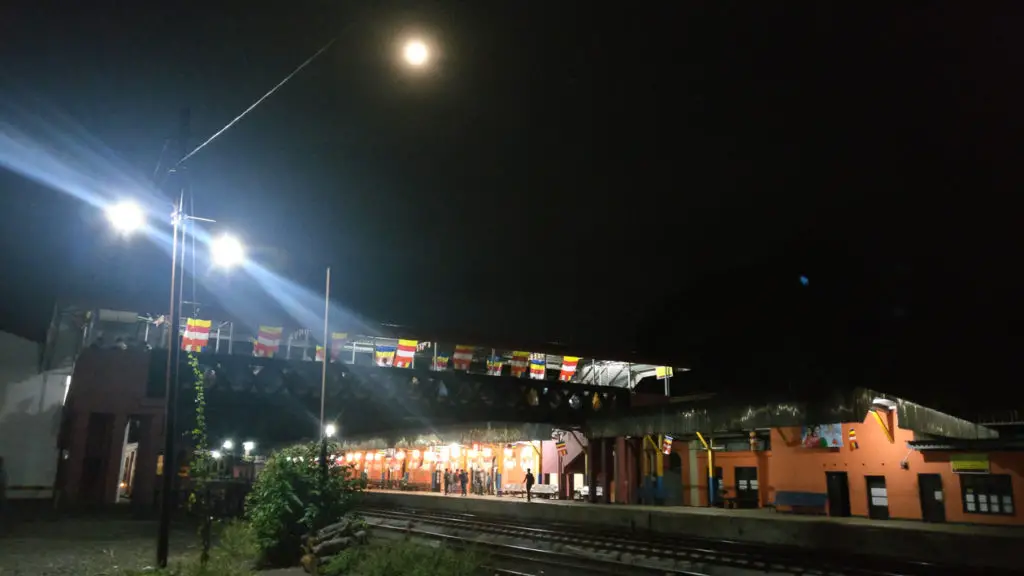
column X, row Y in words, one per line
column 723, row 552
column 525, row 556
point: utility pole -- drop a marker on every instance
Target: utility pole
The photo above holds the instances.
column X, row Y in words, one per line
column 170, row 471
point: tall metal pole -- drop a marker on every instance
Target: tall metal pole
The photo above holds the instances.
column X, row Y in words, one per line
column 327, row 353
column 171, row 397
column 173, row 349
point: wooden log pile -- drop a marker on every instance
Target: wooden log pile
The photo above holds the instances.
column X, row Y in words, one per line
column 331, row 540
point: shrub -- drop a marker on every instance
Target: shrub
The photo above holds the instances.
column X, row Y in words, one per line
column 293, row 497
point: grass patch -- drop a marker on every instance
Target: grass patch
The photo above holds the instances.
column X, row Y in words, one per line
column 233, row 554
column 408, row 558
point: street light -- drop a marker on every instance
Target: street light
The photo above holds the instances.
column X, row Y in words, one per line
column 416, row 53
column 126, row 217
column 226, row 251
column 329, row 430
column 228, row 445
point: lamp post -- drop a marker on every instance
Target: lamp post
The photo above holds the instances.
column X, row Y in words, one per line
column 127, row 218
column 226, row 251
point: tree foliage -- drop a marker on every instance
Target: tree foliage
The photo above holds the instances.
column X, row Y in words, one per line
column 295, row 495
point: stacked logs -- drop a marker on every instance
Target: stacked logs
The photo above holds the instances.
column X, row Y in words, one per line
column 321, row 546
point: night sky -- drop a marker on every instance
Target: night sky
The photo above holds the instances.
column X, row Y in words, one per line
column 644, row 179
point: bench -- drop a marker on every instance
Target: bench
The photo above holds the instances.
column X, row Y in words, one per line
column 538, row 491
column 583, row 492
column 800, row 501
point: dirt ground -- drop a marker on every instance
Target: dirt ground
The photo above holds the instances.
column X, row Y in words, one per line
column 86, row 547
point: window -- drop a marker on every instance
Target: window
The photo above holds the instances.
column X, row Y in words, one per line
column 987, row 493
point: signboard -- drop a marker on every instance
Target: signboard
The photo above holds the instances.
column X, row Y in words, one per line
column 969, row 463
column 822, row 436
column 666, row 445
column 663, row 372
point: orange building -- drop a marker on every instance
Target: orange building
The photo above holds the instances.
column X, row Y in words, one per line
column 872, row 467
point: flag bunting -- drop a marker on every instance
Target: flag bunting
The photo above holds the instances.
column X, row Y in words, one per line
column 537, row 366
column 338, row 340
column 463, row 357
column 384, row 354
column 441, row 362
column 197, row 334
column 494, row 364
column 520, row 363
column 666, row 445
column 268, row 341
column 569, row 364
column 561, row 447
column 405, row 353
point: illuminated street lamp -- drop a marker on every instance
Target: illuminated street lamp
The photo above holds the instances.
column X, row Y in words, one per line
column 329, row 430
column 228, row 445
column 126, row 217
column 226, row 251
column 416, row 53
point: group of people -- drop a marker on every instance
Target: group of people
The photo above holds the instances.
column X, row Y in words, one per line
column 453, row 477
column 482, row 483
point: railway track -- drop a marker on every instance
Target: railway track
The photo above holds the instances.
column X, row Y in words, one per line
column 624, row 553
column 511, row 559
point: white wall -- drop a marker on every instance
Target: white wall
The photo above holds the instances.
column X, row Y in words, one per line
column 30, row 413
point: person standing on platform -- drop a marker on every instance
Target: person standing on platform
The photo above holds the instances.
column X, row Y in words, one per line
column 447, row 481
column 529, row 483
column 463, row 480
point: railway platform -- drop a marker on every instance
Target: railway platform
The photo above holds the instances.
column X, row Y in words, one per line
column 980, row 546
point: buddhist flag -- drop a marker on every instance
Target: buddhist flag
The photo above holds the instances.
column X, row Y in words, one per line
column 561, row 447
column 384, row 354
column 666, row 445
column 441, row 362
column 338, row 340
column 463, row 357
column 520, row 364
column 537, row 366
column 268, row 341
column 197, row 334
column 569, row 364
column 494, row 364
column 405, row 353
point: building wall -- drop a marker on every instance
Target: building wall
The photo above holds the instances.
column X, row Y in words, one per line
column 113, row 383
column 795, row 468
column 30, row 413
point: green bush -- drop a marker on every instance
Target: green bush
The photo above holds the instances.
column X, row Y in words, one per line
column 407, row 558
column 292, row 497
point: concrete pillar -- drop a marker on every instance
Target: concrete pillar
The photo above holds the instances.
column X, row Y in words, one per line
column 622, row 484
column 694, row 472
column 606, row 476
column 590, row 475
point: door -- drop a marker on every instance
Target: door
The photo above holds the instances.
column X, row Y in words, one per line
column 838, row 486
column 878, row 498
column 746, row 487
column 715, row 488
column 933, row 505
